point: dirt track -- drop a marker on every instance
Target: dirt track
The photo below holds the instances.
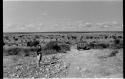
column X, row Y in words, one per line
column 87, row 64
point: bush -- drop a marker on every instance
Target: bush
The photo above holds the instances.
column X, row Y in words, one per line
column 57, row 46
column 14, row 51
column 18, row 51
column 117, row 44
column 33, row 43
column 52, row 45
column 101, row 46
column 64, row 48
column 98, row 45
column 50, row 48
column 104, row 45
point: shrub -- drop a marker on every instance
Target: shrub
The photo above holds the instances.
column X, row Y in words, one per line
column 50, row 48
column 101, row 46
column 64, row 48
column 117, row 44
column 104, row 45
column 98, row 45
column 52, row 45
column 33, row 43
column 57, row 46
column 11, row 51
column 18, row 51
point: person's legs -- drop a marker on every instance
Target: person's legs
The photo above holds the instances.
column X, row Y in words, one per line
column 38, row 59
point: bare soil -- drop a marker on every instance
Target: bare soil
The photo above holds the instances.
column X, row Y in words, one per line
column 73, row 64
column 89, row 64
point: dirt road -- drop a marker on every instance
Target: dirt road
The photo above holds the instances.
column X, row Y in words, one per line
column 86, row 64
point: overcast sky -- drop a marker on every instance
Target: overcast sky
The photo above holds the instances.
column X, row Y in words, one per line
column 41, row 16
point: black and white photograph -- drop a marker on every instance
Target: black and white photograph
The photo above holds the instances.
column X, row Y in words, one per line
column 62, row 39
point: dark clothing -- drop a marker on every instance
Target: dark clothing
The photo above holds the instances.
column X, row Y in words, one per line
column 38, row 51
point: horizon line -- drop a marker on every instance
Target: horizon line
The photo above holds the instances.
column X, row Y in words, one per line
column 63, row 0
column 62, row 31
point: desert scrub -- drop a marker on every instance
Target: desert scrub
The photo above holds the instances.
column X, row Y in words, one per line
column 52, row 45
column 32, row 43
column 57, row 46
column 24, row 69
column 20, row 51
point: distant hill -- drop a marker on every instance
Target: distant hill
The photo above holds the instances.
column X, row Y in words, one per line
column 63, row 32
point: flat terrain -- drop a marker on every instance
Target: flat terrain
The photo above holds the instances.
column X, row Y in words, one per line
column 74, row 64
column 89, row 64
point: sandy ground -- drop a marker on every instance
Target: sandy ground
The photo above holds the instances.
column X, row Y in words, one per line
column 86, row 64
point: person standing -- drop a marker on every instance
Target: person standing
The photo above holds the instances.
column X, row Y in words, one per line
column 39, row 55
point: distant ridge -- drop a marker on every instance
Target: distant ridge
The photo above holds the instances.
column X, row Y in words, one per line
column 63, row 32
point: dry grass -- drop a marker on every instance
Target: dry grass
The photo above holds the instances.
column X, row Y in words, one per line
column 26, row 67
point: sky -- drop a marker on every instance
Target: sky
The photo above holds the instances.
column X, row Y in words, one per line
column 45, row 16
